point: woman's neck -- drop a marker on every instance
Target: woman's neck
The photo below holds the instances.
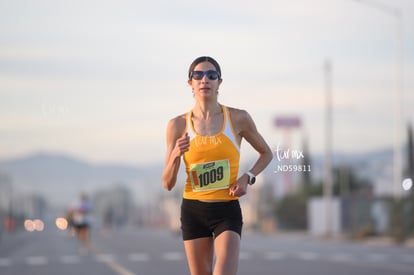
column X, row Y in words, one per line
column 206, row 110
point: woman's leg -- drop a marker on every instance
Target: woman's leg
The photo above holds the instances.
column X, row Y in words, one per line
column 199, row 255
column 83, row 236
column 227, row 249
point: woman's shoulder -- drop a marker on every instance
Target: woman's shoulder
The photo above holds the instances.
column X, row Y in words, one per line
column 237, row 115
column 178, row 122
column 179, row 118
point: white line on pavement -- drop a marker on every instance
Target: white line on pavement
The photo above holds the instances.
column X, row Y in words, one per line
column 375, row 257
column 308, row 256
column 173, row 256
column 5, row 262
column 36, row 260
column 273, row 255
column 245, row 255
column 70, row 259
column 104, row 257
column 341, row 257
column 138, row 257
column 408, row 258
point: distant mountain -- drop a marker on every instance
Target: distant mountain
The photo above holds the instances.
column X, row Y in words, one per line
column 60, row 178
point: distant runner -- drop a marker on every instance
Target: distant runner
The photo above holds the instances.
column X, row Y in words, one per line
column 81, row 220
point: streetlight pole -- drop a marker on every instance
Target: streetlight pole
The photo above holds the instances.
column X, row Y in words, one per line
column 327, row 186
column 397, row 106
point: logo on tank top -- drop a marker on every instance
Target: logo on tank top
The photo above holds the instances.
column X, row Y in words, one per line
column 210, row 140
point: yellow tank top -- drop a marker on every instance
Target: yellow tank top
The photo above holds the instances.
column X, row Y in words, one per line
column 212, row 162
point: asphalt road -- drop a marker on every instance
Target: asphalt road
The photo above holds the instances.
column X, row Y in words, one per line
column 144, row 251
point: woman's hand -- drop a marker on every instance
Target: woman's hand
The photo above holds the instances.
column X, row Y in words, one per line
column 182, row 144
column 239, row 188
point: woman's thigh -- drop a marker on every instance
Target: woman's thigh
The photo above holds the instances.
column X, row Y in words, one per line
column 227, row 250
column 199, row 255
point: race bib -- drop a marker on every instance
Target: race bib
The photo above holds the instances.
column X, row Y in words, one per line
column 210, row 175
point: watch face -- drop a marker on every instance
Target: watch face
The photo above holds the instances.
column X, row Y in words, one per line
column 252, row 180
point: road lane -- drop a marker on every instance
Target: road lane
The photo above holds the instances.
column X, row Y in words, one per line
column 135, row 251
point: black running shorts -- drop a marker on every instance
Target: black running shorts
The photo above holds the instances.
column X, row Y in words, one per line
column 209, row 219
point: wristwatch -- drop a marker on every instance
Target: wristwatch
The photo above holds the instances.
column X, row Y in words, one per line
column 252, row 178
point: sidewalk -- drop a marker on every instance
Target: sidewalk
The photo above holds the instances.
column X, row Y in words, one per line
column 387, row 241
column 376, row 241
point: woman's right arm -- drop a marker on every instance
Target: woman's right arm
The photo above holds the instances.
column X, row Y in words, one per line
column 178, row 143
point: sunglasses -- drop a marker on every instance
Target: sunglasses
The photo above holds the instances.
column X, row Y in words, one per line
column 211, row 75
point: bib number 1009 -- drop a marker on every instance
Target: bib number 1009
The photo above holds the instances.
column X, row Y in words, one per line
column 211, row 176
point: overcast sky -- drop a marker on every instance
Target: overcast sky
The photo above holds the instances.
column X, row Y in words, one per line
column 99, row 80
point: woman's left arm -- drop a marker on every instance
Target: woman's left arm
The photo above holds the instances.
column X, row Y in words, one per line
column 246, row 129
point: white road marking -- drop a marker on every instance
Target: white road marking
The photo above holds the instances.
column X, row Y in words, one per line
column 405, row 260
column 273, row 255
column 104, row 257
column 70, row 259
column 173, row 256
column 36, row 260
column 308, row 256
column 245, row 255
column 374, row 257
column 341, row 257
column 139, row 257
column 5, row 262
column 118, row 268
column 408, row 258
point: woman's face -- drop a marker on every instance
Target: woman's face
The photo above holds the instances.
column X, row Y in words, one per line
column 205, row 87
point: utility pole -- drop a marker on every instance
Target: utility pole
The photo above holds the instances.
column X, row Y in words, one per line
column 327, row 187
column 396, row 14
